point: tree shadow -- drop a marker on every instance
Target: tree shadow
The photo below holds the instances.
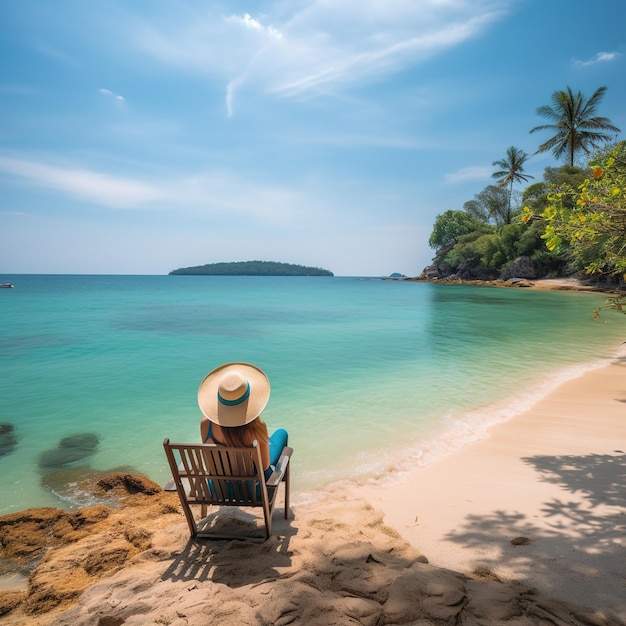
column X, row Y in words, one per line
column 599, row 478
column 582, row 536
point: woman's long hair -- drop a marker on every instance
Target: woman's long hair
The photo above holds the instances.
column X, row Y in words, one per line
column 244, row 436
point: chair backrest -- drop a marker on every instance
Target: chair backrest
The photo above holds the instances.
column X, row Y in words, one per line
column 211, row 474
column 218, row 475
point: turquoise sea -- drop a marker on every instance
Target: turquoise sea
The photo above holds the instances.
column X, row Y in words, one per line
column 367, row 375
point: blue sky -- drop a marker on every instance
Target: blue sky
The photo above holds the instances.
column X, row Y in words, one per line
column 139, row 137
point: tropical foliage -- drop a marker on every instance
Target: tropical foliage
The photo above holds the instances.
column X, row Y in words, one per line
column 452, row 225
column 617, row 303
column 588, row 221
column 575, row 125
column 511, row 171
column 490, row 206
column 573, row 220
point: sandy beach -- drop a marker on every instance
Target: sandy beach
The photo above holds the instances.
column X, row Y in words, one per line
column 526, row 526
column 542, row 499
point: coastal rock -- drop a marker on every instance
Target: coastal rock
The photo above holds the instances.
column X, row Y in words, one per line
column 78, row 484
column 66, row 552
column 69, row 450
column 135, row 565
column 438, row 269
column 27, row 535
column 522, row 267
column 8, row 439
column 123, row 484
column 517, row 282
column 10, row 600
column 469, row 270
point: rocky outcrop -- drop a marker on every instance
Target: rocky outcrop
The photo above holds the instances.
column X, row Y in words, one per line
column 63, row 552
column 439, row 270
column 335, row 563
column 522, row 267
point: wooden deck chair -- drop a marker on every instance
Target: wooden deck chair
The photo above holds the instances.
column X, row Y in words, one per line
column 210, row 474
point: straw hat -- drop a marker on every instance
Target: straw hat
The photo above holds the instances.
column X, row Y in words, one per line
column 234, row 394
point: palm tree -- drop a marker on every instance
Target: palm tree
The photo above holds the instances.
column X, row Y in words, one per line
column 575, row 124
column 511, row 171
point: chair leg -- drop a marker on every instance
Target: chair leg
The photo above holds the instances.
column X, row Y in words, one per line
column 287, row 492
column 267, row 514
column 191, row 522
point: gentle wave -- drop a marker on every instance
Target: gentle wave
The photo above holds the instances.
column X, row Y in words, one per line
column 454, row 432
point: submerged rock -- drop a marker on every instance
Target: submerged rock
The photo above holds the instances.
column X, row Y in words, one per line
column 69, row 450
column 8, row 439
column 74, row 485
column 82, row 441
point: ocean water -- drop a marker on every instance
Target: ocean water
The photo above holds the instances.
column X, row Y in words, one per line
column 367, row 375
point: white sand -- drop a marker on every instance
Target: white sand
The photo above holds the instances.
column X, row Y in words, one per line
column 555, row 475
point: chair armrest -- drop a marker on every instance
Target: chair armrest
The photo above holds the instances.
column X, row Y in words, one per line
column 281, row 467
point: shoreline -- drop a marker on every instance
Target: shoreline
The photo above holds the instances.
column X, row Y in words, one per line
column 528, row 521
column 539, row 284
column 540, row 499
column 471, row 427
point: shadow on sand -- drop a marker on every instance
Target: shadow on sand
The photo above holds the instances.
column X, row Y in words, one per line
column 589, row 533
column 235, row 561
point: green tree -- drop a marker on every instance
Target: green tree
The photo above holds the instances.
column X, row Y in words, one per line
column 575, row 124
column 511, row 172
column 490, row 205
column 449, row 226
column 483, row 251
column 536, row 195
column 590, row 220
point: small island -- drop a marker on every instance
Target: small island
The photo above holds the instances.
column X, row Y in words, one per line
column 251, row 268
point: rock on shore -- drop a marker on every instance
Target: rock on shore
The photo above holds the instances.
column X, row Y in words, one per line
column 131, row 562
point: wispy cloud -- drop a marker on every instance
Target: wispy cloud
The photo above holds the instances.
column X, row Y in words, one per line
column 320, row 47
column 466, row 174
column 600, row 57
column 87, row 185
column 217, row 192
column 370, row 58
column 109, row 94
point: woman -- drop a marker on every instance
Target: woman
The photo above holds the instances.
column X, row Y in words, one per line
column 231, row 398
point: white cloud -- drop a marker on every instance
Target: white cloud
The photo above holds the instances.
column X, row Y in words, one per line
column 329, row 62
column 217, row 193
column 600, row 57
column 109, row 94
column 247, row 21
column 94, row 187
column 466, row 174
column 320, row 47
